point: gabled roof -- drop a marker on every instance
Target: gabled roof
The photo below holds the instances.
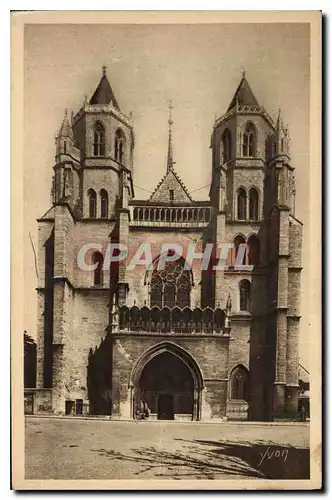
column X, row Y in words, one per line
column 171, row 181
column 104, row 93
column 243, row 95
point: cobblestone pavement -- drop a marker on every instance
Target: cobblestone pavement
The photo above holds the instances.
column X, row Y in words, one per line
column 88, row 449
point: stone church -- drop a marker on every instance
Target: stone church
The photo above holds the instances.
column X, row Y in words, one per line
column 191, row 344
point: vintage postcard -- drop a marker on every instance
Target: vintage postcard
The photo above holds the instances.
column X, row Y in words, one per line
column 166, row 307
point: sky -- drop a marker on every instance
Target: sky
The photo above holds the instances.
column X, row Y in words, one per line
column 198, row 67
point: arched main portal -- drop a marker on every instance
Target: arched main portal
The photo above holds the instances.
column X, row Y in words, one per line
column 169, row 380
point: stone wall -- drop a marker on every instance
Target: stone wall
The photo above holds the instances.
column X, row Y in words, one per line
column 209, row 352
column 90, row 232
column 97, row 179
column 137, row 278
column 239, row 346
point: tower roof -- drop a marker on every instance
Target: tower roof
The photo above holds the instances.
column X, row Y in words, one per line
column 104, row 93
column 243, row 95
column 65, row 129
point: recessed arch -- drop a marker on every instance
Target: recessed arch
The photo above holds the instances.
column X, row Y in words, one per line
column 103, row 203
column 174, row 349
column 167, row 380
column 253, row 203
column 239, row 383
column 167, row 375
column 253, row 244
column 98, row 139
column 239, row 365
column 92, row 203
column 238, row 240
column 119, row 144
column 241, row 199
column 240, row 235
column 249, row 139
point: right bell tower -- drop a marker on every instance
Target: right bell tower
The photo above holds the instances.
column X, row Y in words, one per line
column 253, row 205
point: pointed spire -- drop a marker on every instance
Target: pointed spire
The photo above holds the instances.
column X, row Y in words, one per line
column 281, row 136
column 65, row 129
column 243, row 96
column 104, row 93
column 278, row 122
column 170, row 161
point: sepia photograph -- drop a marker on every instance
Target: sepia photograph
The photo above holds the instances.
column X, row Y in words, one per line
column 166, row 332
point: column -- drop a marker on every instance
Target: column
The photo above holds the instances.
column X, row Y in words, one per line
column 123, row 239
column 280, row 375
column 292, row 385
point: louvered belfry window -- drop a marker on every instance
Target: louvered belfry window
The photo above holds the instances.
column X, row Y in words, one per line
column 98, row 140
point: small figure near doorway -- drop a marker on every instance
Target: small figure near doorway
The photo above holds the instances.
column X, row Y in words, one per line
column 142, row 411
column 138, row 414
column 146, row 410
column 303, row 414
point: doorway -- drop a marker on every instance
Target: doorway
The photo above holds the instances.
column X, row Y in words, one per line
column 165, row 407
column 69, row 407
column 168, row 380
column 166, row 385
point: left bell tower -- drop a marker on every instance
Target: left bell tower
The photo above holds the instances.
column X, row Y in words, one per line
column 91, row 190
column 105, row 138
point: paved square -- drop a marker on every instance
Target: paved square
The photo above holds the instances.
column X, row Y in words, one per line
column 100, row 449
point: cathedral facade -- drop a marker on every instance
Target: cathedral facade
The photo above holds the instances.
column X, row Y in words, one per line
column 189, row 343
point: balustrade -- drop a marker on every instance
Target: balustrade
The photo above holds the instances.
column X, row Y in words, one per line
column 168, row 320
column 169, row 215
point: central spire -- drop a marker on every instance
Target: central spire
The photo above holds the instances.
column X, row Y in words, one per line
column 170, row 161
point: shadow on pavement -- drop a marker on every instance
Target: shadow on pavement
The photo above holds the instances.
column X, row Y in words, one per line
column 213, row 459
column 271, row 460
